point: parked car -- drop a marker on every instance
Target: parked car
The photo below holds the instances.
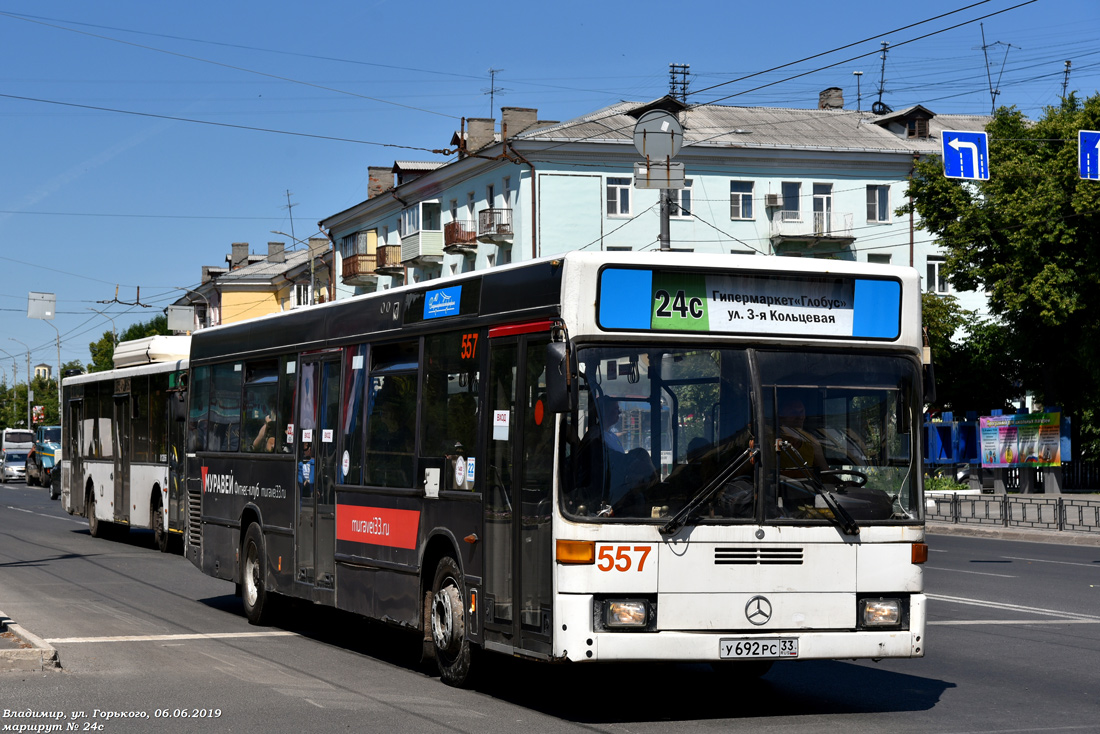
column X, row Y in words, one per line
column 42, row 459
column 12, row 465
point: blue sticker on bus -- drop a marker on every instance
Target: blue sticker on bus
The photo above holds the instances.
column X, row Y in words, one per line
column 442, row 302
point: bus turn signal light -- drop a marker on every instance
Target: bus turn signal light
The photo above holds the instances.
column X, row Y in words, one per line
column 576, row 551
column 920, row 552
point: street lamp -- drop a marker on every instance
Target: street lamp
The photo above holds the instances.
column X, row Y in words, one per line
column 28, row 380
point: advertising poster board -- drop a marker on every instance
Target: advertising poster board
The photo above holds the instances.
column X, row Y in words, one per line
column 1021, row 440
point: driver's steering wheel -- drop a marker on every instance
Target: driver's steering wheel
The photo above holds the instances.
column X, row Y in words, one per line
column 842, row 474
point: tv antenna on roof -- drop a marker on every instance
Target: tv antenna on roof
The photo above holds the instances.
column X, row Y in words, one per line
column 493, row 89
column 678, row 81
column 878, row 106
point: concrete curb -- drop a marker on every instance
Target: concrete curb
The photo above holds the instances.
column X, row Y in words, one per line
column 1057, row 537
column 32, row 652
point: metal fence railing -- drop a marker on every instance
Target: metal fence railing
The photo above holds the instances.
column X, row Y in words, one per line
column 1007, row 510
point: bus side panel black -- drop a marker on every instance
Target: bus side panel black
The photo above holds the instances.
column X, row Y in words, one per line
column 463, row 519
column 540, row 285
column 382, row 593
column 219, row 551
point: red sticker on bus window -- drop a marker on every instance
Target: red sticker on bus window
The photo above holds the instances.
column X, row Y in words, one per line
column 377, row 526
column 539, row 412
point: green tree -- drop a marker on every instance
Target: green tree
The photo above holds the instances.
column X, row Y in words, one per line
column 103, row 350
column 1030, row 238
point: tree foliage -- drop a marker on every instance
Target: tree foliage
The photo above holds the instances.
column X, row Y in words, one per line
column 1030, row 238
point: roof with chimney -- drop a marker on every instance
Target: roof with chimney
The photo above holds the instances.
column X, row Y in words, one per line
column 720, row 126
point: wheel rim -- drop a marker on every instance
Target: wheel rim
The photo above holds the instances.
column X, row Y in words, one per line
column 445, row 611
column 251, row 576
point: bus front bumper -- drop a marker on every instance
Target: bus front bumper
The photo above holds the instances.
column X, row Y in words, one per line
column 582, row 644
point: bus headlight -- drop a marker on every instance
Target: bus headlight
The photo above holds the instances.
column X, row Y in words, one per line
column 626, row 612
column 880, row 612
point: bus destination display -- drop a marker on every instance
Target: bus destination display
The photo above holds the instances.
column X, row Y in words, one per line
column 750, row 303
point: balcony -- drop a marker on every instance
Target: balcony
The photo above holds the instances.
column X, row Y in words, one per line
column 358, row 270
column 389, row 260
column 812, row 227
column 460, row 237
column 494, row 226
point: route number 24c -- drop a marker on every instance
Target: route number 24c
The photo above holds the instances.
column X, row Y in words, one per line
column 622, row 557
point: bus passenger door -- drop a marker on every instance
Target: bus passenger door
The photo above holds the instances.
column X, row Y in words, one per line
column 122, row 424
column 518, row 505
column 317, row 423
column 75, row 479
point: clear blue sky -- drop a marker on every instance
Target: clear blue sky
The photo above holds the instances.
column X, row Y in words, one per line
column 91, row 198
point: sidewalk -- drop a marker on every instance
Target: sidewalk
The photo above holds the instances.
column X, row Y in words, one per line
column 1059, row 537
column 22, row 650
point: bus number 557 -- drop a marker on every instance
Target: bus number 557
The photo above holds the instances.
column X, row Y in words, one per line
column 622, row 557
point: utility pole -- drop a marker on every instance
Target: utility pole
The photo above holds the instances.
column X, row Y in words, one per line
column 859, row 92
column 28, row 380
column 1065, row 78
column 994, row 91
column 678, row 81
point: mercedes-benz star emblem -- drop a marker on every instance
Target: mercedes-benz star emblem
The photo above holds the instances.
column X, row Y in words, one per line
column 758, row 610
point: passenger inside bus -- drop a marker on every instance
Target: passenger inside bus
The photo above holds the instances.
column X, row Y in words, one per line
column 600, row 456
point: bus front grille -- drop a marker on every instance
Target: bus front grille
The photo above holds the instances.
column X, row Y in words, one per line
column 758, row 556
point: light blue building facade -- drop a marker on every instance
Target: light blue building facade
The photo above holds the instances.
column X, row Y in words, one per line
column 819, row 183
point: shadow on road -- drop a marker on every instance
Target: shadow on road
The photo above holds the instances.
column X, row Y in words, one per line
column 628, row 692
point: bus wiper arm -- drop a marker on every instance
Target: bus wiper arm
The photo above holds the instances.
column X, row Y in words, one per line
column 680, row 518
column 843, row 519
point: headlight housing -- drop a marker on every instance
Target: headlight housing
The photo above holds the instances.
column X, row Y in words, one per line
column 877, row 612
column 624, row 614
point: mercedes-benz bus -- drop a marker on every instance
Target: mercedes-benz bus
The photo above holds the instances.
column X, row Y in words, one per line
column 596, row 457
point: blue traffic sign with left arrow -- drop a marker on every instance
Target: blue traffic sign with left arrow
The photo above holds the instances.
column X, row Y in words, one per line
column 965, row 154
column 1088, row 153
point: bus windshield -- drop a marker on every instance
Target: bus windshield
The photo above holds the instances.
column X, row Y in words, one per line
column 662, row 429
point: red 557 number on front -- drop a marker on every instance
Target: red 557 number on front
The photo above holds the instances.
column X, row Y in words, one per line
column 622, row 558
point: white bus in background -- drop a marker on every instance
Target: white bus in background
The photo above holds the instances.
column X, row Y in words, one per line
column 122, row 438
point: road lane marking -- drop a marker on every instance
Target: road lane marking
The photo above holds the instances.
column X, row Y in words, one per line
column 1062, row 563
column 976, row 573
column 162, row 638
column 1013, row 607
column 42, row 514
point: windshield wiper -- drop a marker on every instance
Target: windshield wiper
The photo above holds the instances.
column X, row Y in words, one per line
column 844, row 520
column 680, row 518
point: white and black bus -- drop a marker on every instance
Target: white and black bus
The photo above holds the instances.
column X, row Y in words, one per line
column 598, row 457
column 122, row 438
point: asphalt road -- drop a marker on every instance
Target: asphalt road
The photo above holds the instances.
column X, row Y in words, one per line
column 1013, row 646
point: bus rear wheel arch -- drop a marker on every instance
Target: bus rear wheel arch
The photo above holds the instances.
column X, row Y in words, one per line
column 448, row 623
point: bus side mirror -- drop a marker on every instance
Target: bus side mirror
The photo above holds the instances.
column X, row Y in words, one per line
column 561, row 378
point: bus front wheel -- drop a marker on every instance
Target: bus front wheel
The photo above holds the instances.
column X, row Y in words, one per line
column 257, row 604
column 452, row 648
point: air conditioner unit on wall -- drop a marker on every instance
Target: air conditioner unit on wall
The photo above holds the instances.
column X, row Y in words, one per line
column 775, row 200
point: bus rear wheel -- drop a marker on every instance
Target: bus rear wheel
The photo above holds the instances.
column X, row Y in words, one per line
column 156, row 519
column 257, row 601
column 96, row 528
column 452, row 648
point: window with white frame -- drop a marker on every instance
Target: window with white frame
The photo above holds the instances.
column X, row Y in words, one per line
column 410, row 221
column 681, row 201
column 618, row 197
column 741, row 199
column 299, row 295
column 878, row 203
column 937, row 276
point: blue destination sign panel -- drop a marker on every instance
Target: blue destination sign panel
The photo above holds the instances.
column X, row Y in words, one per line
column 750, row 303
column 442, row 302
